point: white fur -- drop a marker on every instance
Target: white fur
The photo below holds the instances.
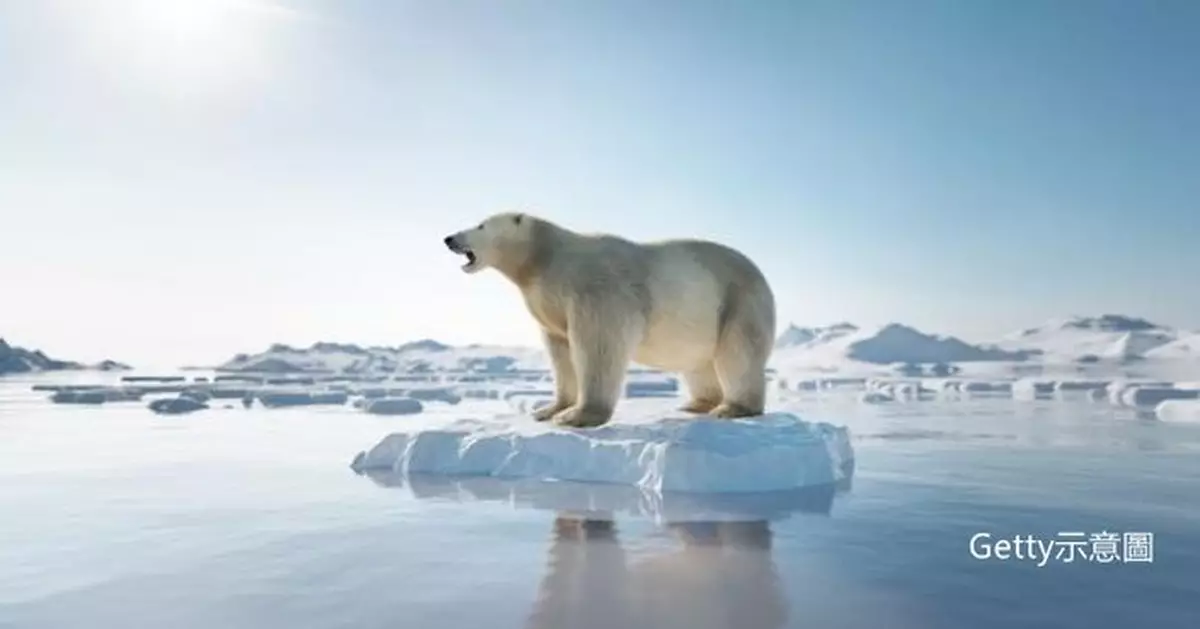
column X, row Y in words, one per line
column 688, row 306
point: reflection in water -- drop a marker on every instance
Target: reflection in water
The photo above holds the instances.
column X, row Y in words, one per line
column 720, row 573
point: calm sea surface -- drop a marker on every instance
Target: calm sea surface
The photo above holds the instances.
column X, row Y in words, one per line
column 231, row 518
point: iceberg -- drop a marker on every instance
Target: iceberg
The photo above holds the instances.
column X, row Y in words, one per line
column 658, row 452
column 1179, row 411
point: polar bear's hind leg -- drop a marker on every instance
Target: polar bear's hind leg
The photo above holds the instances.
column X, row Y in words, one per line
column 704, row 389
column 741, row 358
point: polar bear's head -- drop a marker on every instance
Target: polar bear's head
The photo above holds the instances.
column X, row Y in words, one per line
column 502, row 241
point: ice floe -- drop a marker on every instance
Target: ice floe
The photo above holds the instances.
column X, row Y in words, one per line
column 656, row 452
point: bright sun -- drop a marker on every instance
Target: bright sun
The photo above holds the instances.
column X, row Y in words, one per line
column 186, row 22
column 187, row 46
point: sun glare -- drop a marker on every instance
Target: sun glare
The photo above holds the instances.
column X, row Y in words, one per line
column 184, row 22
column 186, row 46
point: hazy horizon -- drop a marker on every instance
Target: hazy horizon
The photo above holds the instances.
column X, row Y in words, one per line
column 184, row 180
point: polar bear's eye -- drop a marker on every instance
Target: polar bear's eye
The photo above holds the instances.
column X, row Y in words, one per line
column 480, row 227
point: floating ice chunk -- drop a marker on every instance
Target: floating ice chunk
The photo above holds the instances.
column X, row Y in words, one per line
column 950, row 386
column 229, row 393
column 1151, row 396
column 334, row 398
column 663, row 453
column 434, row 394
column 668, row 387
column 123, row 394
column 837, row 383
column 92, row 394
column 393, row 406
column 1081, row 385
column 984, row 386
column 560, row 496
column 375, row 393
column 1179, row 411
column 1117, row 388
column 153, row 379
column 1031, row 389
column 176, row 406
column 278, row 399
column 875, row 397
column 799, row 384
column 895, row 388
column 79, row 397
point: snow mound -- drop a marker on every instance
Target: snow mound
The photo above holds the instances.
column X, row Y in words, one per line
column 795, row 335
column 1110, row 323
column 1184, row 347
column 1091, row 339
column 1179, row 411
column 14, row 359
column 420, row 356
column 886, row 345
column 657, row 453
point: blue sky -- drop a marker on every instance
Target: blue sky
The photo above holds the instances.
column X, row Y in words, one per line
column 185, row 179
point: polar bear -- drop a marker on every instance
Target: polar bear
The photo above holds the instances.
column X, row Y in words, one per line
column 689, row 306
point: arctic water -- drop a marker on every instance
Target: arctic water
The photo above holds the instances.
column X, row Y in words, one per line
column 113, row 516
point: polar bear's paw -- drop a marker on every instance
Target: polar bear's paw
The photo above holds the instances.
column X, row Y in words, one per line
column 699, row 406
column 733, row 410
column 549, row 411
column 583, row 417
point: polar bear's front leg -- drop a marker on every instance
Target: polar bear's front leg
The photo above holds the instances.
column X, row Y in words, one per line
column 601, row 347
column 565, row 386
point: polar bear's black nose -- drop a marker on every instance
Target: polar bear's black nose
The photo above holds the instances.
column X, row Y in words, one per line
column 449, row 240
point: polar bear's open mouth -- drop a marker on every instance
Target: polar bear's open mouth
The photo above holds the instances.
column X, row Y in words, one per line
column 471, row 260
column 458, row 248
